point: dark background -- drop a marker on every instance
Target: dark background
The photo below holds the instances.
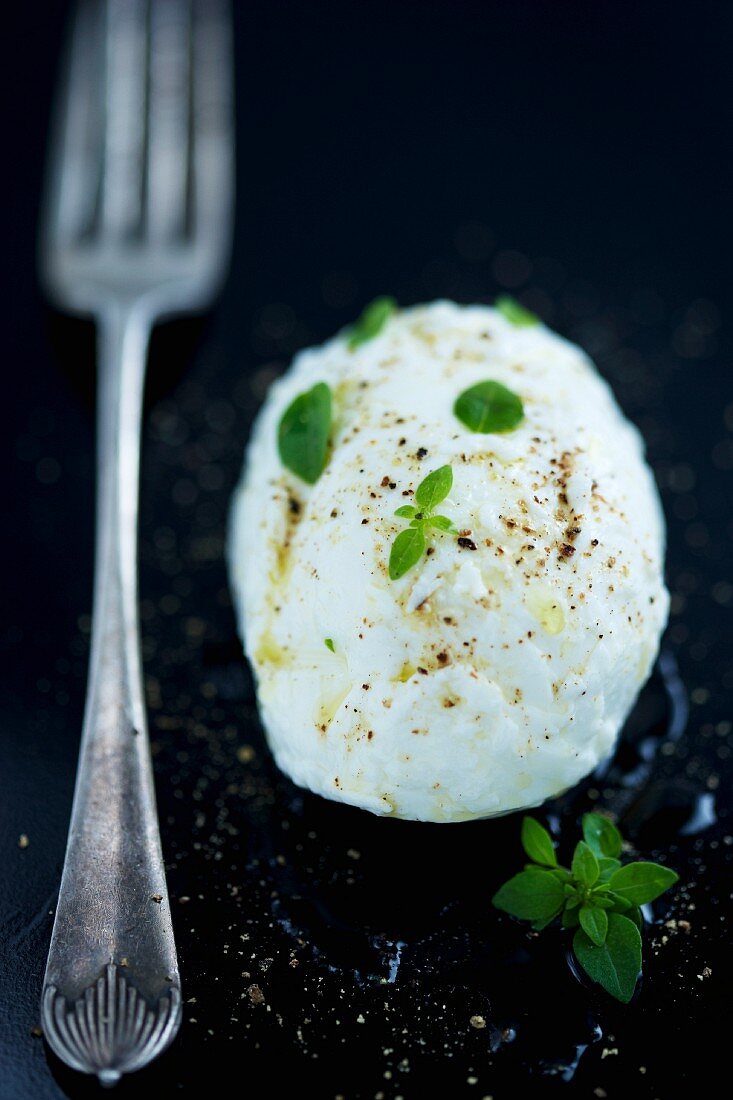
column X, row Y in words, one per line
column 575, row 154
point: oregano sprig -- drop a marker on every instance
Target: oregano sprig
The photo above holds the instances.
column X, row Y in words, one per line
column 598, row 897
column 410, row 544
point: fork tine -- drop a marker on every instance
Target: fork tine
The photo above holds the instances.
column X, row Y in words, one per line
column 212, row 124
column 75, row 163
column 124, row 149
column 168, row 119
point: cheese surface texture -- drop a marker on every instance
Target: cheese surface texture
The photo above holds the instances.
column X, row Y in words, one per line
column 499, row 669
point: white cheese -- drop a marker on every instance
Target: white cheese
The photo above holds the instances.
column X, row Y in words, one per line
column 484, row 680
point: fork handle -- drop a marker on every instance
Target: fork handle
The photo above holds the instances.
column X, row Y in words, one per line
column 111, row 997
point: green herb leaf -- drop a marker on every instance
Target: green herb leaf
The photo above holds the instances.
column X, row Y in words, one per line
column 540, row 925
column 562, row 874
column 304, row 431
column 601, row 901
column 372, row 321
column 585, row 865
column 407, row 549
column 615, row 965
column 608, row 866
column 537, row 843
column 328, row 642
column 602, row 836
column 634, row 914
column 531, row 895
column 489, row 407
column 620, row 903
column 442, row 523
column 434, row 489
column 594, row 923
column 406, row 511
column 639, row 883
column 570, row 918
column 514, row 312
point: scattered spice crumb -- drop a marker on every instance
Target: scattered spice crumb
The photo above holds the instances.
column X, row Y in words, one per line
column 23, row 840
column 256, row 996
column 477, row 1022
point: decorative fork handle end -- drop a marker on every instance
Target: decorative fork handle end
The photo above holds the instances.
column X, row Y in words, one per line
column 110, row 1029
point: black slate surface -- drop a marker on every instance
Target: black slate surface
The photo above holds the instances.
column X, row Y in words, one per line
column 576, row 154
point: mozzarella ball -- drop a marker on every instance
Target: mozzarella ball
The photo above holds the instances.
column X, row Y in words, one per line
column 497, row 670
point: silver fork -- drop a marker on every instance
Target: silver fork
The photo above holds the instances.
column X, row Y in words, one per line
column 138, row 224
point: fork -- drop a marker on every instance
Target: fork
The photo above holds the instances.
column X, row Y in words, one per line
column 137, row 226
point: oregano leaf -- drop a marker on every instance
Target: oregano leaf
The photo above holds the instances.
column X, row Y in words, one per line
column 372, row 321
column 514, row 312
column 442, row 523
column 616, row 964
column 602, row 836
column 594, row 923
column 537, row 843
column 585, row 865
column 434, row 489
column 489, row 407
column 639, row 882
column 530, row 895
column 304, row 432
column 407, row 549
